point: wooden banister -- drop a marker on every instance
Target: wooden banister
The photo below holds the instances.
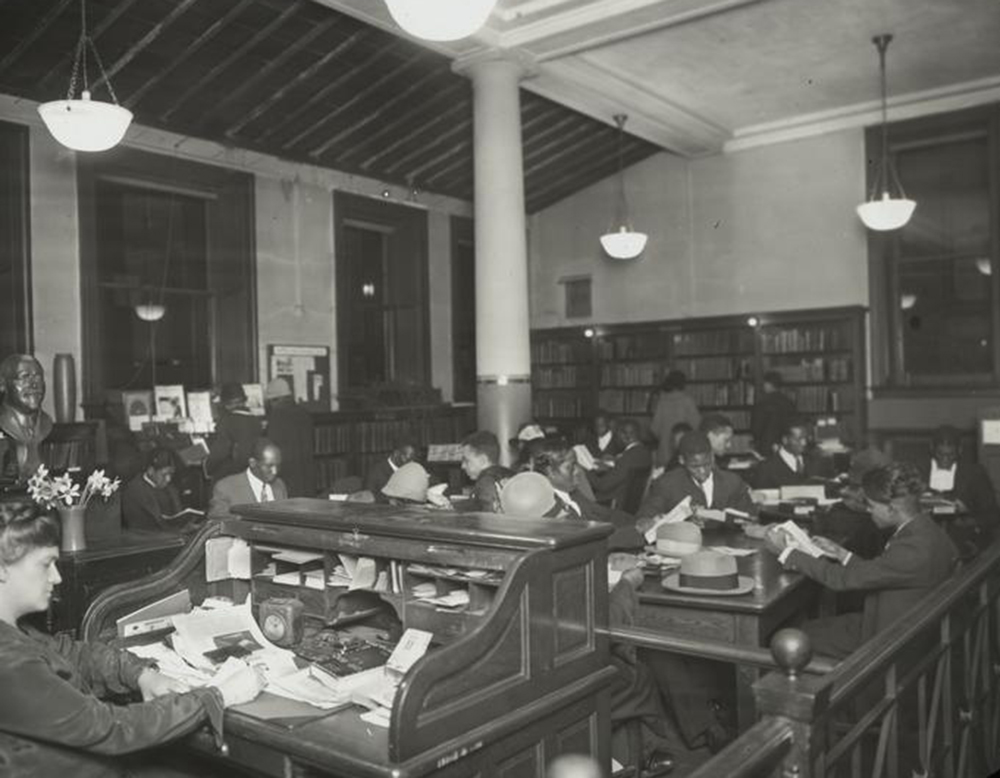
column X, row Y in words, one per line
column 758, row 751
column 710, row 649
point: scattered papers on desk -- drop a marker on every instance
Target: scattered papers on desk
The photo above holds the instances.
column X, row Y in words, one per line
column 154, row 617
column 678, row 513
column 296, row 557
column 408, row 650
column 583, row 457
column 227, row 558
column 437, row 497
column 375, row 689
column 457, row 598
column 310, row 685
column 732, row 551
column 800, row 540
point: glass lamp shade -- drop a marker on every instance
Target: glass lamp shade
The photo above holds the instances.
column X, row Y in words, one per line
column 907, row 300
column 150, row 311
column 85, row 124
column 984, row 266
column 624, row 244
column 889, row 213
column 440, row 20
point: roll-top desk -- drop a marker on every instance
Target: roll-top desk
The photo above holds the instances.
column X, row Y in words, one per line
column 518, row 676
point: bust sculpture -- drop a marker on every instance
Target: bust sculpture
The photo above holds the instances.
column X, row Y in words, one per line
column 23, row 423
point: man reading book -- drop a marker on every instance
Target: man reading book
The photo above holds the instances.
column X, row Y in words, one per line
column 150, row 501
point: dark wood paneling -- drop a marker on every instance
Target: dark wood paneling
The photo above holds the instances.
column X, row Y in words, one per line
column 298, row 80
column 463, row 309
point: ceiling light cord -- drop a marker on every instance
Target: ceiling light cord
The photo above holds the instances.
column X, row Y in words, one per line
column 887, row 175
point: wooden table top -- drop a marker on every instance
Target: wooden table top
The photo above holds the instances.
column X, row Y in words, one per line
column 771, row 582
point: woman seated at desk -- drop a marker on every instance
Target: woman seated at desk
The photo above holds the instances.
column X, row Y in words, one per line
column 53, row 687
column 150, row 500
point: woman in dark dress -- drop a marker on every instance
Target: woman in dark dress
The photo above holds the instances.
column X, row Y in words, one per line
column 53, row 715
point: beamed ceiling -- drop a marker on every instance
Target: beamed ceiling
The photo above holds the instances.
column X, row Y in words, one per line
column 301, row 81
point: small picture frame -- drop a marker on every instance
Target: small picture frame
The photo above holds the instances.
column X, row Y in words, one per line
column 170, row 402
column 138, row 406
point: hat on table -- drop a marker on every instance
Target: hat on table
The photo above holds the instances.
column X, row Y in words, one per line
column 709, row 572
column 678, row 539
column 527, row 494
column 409, row 482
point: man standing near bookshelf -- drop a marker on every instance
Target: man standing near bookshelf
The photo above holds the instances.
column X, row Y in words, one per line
column 673, row 405
column 771, row 415
column 235, row 434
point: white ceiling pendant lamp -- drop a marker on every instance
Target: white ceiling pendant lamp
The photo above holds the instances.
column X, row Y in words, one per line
column 150, row 311
column 85, row 124
column 621, row 241
column 883, row 211
column 440, row 20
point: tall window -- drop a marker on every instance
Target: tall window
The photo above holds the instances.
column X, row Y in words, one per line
column 382, row 310
column 936, row 279
column 15, row 286
column 463, row 308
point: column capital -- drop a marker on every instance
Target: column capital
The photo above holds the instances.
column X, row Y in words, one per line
column 525, row 64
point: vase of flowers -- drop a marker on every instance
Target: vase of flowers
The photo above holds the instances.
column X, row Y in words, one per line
column 61, row 493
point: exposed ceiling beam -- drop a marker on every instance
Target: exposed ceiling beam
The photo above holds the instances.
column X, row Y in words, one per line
column 234, row 55
column 302, row 76
column 206, row 36
column 461, row 127
column 143, row 42
column 32, row 36
column 463, row 109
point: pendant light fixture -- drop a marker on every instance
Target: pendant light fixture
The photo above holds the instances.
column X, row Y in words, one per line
column 883, row 211
column 621, row 241
column 150, row 311
column 86, row 124
column 440, row 20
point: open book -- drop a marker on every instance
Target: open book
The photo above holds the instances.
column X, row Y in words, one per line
column 799, row 539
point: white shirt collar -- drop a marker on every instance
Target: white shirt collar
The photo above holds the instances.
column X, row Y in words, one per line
column 942, row 480
column 604, row 440
column 789, row 459
column 708, row 487
column 392, row 464
column 258, row 487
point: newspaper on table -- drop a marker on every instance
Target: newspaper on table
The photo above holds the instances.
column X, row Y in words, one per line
column 799, row 539
column 677, row 514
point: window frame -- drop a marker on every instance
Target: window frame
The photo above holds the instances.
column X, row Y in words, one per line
column 889, row 374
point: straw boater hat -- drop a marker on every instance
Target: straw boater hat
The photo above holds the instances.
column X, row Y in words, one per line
column 678, row 539
column 709, row 572
column 527, row 494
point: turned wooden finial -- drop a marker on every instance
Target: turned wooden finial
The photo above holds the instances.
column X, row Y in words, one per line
column 792, row 651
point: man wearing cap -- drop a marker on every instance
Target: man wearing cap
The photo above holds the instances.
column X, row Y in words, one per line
column 699, row 479
column 290, row 426
column 917, row 558
column 480, row 462
column 379, row 474
column 787, row 466
column 258, row 483
column 235, row 433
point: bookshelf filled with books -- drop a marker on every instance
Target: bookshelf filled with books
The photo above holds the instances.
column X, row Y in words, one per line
column 820, row 355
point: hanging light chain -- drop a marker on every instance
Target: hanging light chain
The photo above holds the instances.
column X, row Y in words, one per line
column 887, row 175
column 80, row 60
column 623, row 215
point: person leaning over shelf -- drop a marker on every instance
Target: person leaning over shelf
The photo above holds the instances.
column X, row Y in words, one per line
column 707, row 485
column 290, row 426
column 53, row 711
column 480, row 462
column 673, row 405
column 258, row 483
column 380, row 473
column 787, row 466
column 235, row 433
column 770, row 415
column 150, row 501
column 916, row 559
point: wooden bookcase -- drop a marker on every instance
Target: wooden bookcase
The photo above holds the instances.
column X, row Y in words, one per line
column 820, row 353
column 350, row 442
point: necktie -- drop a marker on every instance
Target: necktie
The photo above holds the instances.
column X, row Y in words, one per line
column 799, row 465
column 265, row 494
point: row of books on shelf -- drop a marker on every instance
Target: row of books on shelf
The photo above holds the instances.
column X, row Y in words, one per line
column 631, row 374
column 555, row 351
column 639, row 345
column 821, row 399
column 332, row 438
column 730, row 393
column 563, row 377
column 557, row 407
column 814, row 338
column 624, row 402
column 715, row 368
column 740, row 419
column 712, row 342
column 814, row 369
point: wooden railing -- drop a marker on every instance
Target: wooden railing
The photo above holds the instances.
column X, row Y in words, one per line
column 920, row 699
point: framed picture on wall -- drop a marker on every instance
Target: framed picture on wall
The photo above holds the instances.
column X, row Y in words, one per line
column 138, row 407
column 305, row 368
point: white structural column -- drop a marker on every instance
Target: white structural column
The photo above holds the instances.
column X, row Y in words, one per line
column 503, row 354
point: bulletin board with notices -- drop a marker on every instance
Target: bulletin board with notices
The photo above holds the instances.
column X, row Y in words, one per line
column 306, row 368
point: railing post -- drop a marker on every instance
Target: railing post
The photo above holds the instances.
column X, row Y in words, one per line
column 800, row 699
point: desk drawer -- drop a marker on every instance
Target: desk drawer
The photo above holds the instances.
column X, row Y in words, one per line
column 688, row 623
column 261, row 759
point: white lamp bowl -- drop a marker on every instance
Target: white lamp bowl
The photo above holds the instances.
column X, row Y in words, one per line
column 85, row 124
column 624, row 244
column 889, row 213
column 150, row 311
column 440, row 20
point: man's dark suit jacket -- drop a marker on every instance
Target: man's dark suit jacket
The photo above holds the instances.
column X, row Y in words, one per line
column 486, row 492
column 613, row 449
column 614, row 485
column 974, row 488
column 774, row 473
column 378, row 476
column 236, row 490
column 730, row 491
column 768, row 420
column 915, row 560
column 232, row 444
